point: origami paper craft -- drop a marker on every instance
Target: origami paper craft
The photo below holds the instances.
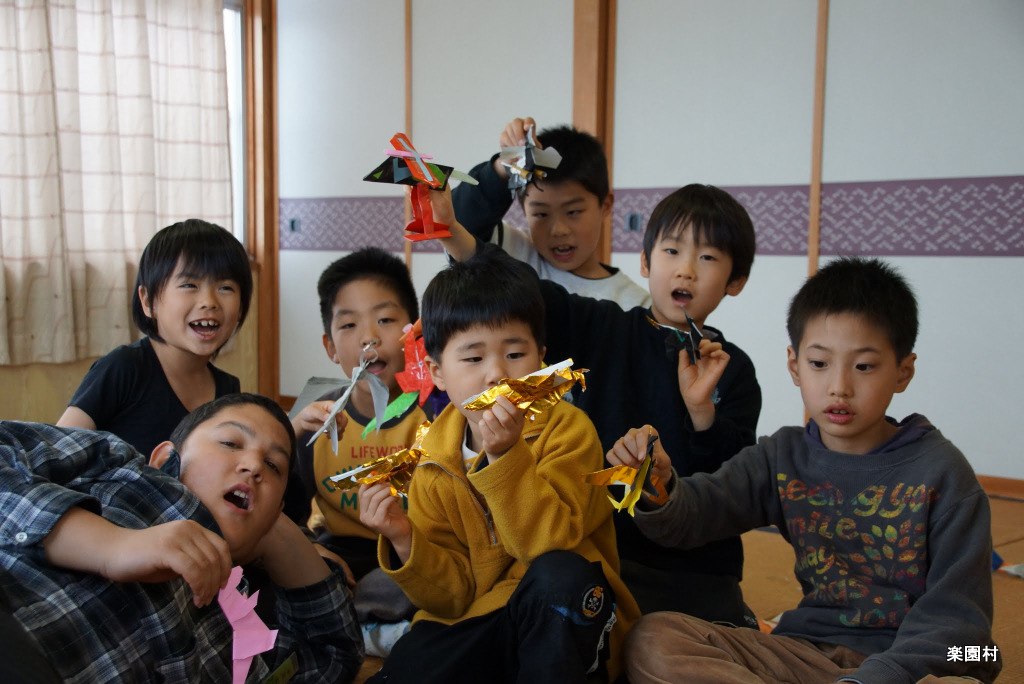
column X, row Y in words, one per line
column 535, row 392
column 524, row 161
column 395, row 408
column 416, row 376
column 251, row 636
column 681, row 339
column 649, row 484
column 378, row 391
column 406, row 166
column 395, row 469
column 414, row 380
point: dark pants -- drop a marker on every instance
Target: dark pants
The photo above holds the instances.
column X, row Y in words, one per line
column 553, row 629
column 715, row 598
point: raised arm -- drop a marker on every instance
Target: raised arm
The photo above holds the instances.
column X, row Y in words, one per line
column 461, row 245
column 481, row 207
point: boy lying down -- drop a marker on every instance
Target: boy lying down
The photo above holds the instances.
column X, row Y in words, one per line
column 112, row 567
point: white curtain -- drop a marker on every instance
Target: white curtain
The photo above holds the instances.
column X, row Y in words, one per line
column 113, row 124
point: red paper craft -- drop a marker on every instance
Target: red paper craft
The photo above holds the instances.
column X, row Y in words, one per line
column 416, row 376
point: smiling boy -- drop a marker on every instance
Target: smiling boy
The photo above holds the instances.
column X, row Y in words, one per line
column 366, row 300
column 111, row 565
column 509, row 555
column 698, row 248
column 890, row 527
column 565, row 213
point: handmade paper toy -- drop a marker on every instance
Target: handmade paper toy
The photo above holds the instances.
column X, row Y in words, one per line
column 396, row 469
column 251, row 636
column 406, row 166
column 638, row 481
column 681, row 339
column 378, row 391
column 414, row 380
column 534, row 392
column 416, row 376
column 527, row 162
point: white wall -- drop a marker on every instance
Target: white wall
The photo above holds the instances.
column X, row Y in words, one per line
column 924, row 90
column 713, row 92
column 341, row 94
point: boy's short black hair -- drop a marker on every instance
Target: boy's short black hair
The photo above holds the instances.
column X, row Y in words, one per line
column 368, row 263
column 716, row 218
column 204, row 249
column 212, row 408
column 869, row 288
column 583, row 161
column 490, row 288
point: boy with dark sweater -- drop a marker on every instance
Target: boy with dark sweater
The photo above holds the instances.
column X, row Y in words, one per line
column 508, row 553
column 698, row 247
column 890, row 527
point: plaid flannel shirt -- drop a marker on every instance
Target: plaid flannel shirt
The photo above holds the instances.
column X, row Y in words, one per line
column 95, row 630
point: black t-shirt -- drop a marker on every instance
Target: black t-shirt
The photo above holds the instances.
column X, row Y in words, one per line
column 127, row 393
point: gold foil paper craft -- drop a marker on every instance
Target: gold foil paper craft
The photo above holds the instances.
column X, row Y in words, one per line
column 535, row 392
column 650, row 484
column 396, row 469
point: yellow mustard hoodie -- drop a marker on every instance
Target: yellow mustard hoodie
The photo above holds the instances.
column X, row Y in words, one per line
column 474, row 536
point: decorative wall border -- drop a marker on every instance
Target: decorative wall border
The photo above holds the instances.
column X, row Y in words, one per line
column 933, row 217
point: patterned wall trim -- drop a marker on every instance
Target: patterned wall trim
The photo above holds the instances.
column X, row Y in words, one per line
column 937, row 217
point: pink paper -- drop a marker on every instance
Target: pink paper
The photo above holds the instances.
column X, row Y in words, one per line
column 251, row 636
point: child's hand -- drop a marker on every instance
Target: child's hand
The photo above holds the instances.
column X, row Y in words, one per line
column 181, row 548
column 441, row 205
column 631, row 448
column 312, row 418
column 513, row 135
column 697, row 381
column 500, row 427
column 350, row 578
column 289, row 557
column 461, row 245
column 382, row 513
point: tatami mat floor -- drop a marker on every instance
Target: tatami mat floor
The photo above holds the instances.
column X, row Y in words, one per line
column 770, row 588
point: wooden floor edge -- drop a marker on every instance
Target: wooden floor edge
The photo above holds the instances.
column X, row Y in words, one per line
column 1002, row 487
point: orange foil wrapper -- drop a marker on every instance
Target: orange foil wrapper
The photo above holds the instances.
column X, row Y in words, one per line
column 535, row 392
column 396, row 469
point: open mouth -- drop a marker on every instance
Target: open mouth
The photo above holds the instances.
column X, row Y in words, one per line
column 563, row 253
column 682, row 297
column 239, row 498
column 377, row 367
column 205, row 327
column 837, row 415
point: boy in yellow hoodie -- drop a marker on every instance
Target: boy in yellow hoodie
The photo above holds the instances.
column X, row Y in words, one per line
column 508, row 554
